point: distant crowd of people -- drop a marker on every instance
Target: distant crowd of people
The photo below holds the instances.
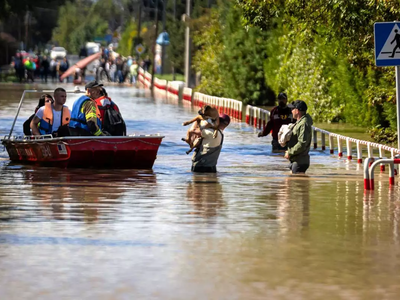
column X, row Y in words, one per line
column 113, row 67
column 30, row 67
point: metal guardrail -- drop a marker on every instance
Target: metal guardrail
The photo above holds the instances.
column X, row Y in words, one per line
column 369, row 167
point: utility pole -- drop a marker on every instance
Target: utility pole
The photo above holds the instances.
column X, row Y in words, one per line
column 172, row 64
column 27, row 21
column 187, row 44
column 139, row 24
column 153, row 65
column 163, row 45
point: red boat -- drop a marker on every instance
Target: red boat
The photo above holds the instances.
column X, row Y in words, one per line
column 127, row 152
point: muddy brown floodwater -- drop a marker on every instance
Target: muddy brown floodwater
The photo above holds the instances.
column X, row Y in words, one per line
column 251, row 231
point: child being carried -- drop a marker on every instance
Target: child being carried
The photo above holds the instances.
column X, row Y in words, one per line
column 208, row 118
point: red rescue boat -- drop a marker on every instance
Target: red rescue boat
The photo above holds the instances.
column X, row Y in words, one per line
column 127, row 152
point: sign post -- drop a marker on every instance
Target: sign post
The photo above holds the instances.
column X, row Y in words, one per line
column 387, row 53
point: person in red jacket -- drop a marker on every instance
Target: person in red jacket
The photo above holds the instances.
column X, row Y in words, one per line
column 279, row 115
column 107, row 111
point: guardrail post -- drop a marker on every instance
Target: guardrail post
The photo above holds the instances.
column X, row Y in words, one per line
column 370, row 150
column 247, row 114
column 241, row 108
column 340, row 150
column 381, row 156
column 396, row 165
column 359, row 152
column 251, row 113
column 391, row 174
column 368, row 160
column 323, row 141
column 390, row 162
column 315, row 138
column 331, row 150
column 371, row 177
column 262, row 118
column 349, row 152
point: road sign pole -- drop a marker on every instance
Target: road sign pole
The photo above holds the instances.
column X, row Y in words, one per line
column 387, row 54
column 398, row 104
column 153, row 65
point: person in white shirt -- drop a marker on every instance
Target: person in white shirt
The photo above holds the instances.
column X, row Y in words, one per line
column 206, row 156
column 52, row 116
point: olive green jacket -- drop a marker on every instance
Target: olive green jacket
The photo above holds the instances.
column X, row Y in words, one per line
column 300, row 142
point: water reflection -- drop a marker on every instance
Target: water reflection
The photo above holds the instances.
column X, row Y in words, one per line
column 293, row 205
column 72, row 194
column 205, row 193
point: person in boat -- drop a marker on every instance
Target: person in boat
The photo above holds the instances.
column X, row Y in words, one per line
column 85, row 119
column 110, row 116
column 45, row 98
column 280, row 115
column 52, row 117
column 205, row 158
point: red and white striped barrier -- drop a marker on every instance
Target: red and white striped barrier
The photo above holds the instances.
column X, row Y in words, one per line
column 257, row 117
column 141, row 76
column 147, row 80
column 231, row 107
column 174, row 89
column 160, row 84
column 236, row 109
column 369, row 171
column 187, row 94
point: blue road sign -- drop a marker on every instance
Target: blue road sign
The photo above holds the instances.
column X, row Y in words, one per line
column 387, row 44
column 163, row 39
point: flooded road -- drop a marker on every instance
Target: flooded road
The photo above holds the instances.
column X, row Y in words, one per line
column 251, row 231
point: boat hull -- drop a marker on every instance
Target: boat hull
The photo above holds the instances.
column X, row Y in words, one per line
column 131, row 152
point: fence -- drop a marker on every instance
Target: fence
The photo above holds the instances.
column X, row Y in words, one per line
column 369, row 167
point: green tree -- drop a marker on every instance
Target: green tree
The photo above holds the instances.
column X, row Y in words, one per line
column 230, row 57
column 79, row 22
column 335, row 38
column 71, row 17
column 207, row 58
column 176, row 48
column 126, row 46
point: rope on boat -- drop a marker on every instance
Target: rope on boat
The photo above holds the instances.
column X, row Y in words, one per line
column 88, row 141
column 105, row 142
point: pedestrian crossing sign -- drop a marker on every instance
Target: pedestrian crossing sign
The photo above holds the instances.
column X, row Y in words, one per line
column 387, row 44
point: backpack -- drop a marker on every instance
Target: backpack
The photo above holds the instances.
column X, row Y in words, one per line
column 63, row 66
column 285, row 133
column 113, row 122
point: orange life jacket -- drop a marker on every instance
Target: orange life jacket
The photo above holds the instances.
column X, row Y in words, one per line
column 46, row 124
